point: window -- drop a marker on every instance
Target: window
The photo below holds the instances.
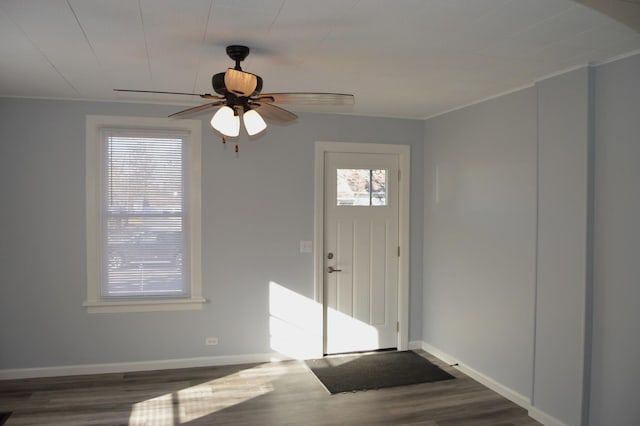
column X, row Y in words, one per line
column 143, row 214
column 361, row 187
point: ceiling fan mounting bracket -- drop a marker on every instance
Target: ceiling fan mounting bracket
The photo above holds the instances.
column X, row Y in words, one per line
column 238, row 54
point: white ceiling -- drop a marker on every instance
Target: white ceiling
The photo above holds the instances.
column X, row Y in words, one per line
column 401, row 58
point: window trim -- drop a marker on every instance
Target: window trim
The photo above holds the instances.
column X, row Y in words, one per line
column 95, row 302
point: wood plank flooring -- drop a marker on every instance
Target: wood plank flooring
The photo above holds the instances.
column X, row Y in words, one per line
column 279, row 393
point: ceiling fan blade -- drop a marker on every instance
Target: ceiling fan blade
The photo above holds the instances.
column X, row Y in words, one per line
column 200, row 109
column 305, row 98
column 204, row 95
column 274, row 113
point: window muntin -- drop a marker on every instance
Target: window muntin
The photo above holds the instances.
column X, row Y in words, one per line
column 361, row 187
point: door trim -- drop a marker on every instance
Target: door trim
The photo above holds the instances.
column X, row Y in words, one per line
column 403, row 152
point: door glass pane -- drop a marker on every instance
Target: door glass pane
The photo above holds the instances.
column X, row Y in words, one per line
column 361, row 187
column 378, row 187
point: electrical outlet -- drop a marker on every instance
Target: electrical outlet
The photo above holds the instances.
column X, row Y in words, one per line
column 211, row 341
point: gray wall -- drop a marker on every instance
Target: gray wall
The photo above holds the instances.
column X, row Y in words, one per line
column 480, row 237
column 563, row 105
column 256, row 209
column 615, row 352
column 567, row 233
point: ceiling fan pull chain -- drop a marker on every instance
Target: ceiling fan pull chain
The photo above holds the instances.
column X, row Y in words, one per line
column 224, row 140
column 236, row 147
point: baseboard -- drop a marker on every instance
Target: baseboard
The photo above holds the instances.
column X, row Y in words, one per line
column 534, row 412
column 447, row 359
column 124, row 367
column 485, row 380
column 415, row 344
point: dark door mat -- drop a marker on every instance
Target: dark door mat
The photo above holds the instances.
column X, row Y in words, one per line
column 4, row 417
column 350, row 373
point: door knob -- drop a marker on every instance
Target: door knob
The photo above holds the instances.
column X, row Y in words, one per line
column 330, row 269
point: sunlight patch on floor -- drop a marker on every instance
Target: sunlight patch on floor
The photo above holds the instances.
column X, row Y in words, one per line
column 204, row 399
column 155, row 411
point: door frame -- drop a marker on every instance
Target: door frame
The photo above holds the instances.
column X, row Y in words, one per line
column 404, row 153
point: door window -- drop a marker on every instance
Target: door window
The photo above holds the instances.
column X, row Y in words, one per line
column 361, row 187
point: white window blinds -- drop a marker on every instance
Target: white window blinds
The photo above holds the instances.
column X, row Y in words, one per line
column 144, row 243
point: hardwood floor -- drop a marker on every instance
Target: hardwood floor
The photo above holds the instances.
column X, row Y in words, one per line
column 280, row 393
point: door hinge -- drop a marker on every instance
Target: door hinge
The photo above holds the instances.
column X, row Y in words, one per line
column 398, row 251
column 399, row 175
column 398, row 326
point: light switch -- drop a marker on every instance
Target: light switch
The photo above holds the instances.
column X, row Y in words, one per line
column 306, row 246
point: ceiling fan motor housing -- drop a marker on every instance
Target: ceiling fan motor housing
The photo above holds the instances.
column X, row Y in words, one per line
column 217, row 81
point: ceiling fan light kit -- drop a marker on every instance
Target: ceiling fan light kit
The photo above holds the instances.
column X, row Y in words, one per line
column 239, row 93
column 253, row 122
column 226, row 121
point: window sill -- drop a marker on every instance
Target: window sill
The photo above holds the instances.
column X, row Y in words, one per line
column 108, row 306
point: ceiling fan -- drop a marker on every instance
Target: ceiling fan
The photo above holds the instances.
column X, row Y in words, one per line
column 239, row 93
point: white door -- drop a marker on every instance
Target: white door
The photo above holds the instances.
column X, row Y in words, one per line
column 360, row 251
